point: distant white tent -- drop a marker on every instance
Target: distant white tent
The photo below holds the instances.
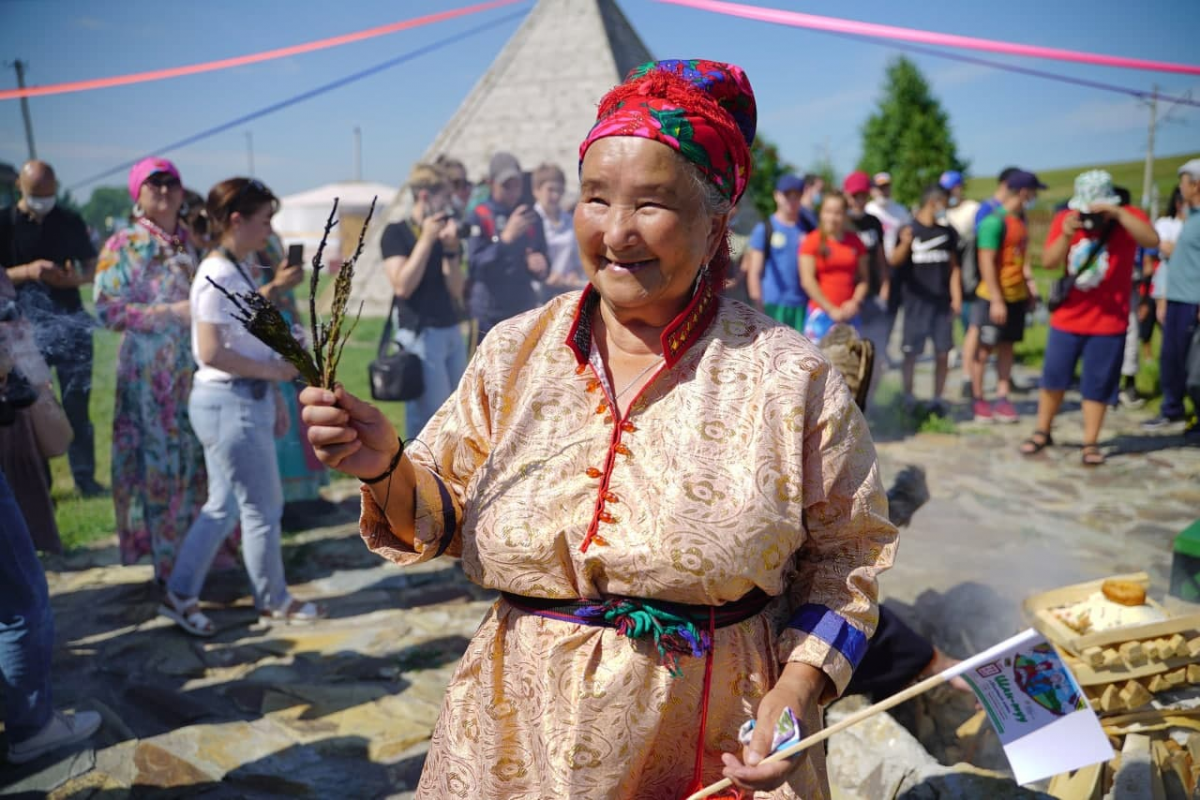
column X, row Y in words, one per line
column 301, row 217
column 537, row 100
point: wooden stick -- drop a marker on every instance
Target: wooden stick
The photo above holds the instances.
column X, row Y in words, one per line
column 853, row 719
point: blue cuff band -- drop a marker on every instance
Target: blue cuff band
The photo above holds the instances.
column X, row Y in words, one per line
column 833, row 629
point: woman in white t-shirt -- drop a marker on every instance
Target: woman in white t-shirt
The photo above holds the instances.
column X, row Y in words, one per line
column 236, row 412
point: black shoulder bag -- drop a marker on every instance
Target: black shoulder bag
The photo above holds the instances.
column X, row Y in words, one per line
column 395, row 376
column 1063, row 286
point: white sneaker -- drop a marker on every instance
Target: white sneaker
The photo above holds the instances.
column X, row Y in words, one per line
column 60, row 731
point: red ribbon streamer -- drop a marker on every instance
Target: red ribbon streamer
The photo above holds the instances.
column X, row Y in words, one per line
column 253, row 58
column 836, row 25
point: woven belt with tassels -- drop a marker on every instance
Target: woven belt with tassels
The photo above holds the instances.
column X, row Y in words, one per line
column 678, row 630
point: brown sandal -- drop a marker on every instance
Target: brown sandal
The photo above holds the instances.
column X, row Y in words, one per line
column 1036, row 443
column 1092, row 456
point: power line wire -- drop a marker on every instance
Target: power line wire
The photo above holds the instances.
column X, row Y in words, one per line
column 298, row 98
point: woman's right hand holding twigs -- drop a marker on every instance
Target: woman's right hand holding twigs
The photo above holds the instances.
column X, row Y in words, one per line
column 348, row 435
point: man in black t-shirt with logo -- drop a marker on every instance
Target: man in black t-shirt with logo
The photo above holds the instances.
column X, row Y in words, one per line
column 422, row 259
column 925, row 261
column 48, row 255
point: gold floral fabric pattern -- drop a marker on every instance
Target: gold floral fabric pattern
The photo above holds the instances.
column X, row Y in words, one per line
column 743, row 464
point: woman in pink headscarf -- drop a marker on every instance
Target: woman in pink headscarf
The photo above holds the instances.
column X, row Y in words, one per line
column 675, row 495
column 142, row 282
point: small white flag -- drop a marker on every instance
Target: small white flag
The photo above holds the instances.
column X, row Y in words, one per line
column 1036, row 706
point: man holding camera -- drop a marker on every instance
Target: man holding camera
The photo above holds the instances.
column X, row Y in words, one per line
column 48, row 255
column 1096, row 239
column 422, row 259
column 507, row 248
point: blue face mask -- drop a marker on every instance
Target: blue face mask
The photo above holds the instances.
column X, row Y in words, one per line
column 817, row 198
column 1030, row 203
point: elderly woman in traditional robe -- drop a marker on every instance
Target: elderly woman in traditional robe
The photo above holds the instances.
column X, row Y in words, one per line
column 675, row 496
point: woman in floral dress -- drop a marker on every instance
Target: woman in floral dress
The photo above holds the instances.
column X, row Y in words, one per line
column 142, row 282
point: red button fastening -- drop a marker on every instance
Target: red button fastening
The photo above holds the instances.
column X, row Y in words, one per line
column 592, row 472
column 607, row 518
column 597, row 539
column 623, row 450
column 580, row 369
column 593, row 385
column 603, row 407
column 628, row 426
column 610, row 497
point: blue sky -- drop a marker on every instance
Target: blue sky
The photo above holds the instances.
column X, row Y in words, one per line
column 814, row 90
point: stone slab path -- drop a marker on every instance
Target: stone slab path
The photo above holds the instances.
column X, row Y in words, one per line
column 345, row 707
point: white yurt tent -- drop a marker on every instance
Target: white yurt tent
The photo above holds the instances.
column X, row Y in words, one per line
column 301, row 217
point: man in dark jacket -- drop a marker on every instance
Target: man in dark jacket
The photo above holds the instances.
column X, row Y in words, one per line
column 507, row 248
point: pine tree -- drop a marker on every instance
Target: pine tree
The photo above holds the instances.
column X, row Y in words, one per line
column 909, row 135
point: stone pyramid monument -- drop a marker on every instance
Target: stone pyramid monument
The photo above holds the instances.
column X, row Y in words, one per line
column 537, row 100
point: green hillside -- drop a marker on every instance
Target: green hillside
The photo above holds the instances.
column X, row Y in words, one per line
column 1126, row 173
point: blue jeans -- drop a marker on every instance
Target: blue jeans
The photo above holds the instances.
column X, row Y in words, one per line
column 443, row 353
column 26, row 626
column 237, row 432
column 1177, row 330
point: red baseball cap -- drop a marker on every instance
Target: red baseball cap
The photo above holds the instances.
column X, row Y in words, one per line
column 856, row 183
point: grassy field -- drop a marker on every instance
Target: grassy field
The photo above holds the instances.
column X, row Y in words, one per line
column 1061, row 182
column 84, row 520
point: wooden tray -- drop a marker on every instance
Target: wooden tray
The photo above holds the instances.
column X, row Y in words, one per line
column 1038, row 609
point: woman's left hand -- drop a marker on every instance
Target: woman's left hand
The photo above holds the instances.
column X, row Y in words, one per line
column 799, row 688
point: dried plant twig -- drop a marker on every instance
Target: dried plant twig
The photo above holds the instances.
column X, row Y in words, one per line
column 263, row 320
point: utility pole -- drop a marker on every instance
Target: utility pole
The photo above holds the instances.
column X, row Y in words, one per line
column 19, row 66
column 1148, row 199
column 250, row 152
column 357, row 153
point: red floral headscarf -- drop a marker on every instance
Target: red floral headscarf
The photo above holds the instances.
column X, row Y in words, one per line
column 704, row 110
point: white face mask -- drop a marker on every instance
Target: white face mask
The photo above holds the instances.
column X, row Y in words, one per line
column 1030, row 203
column 40, row 205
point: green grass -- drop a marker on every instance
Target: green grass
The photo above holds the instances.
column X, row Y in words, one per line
column 1060, row 183
column 81, row 520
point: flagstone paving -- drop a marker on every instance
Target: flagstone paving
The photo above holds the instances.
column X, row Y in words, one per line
column 345, row 707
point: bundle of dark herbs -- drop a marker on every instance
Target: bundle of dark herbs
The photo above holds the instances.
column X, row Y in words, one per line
column 264, row 321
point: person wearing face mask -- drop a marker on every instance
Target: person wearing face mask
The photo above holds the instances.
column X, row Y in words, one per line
column 423, row 260
column 810, row 200
column 1004, row 295
column 926, row 261
column 237, row 413
column 1096, row 238
column 48, row 255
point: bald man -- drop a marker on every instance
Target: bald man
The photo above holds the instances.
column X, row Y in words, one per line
column 48, row 254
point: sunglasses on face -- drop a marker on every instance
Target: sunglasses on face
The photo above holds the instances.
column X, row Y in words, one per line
column 163, row 180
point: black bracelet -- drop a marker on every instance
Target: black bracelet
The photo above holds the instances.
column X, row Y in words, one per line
column 391, row 467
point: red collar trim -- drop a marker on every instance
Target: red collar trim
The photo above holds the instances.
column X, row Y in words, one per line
column 677, row 338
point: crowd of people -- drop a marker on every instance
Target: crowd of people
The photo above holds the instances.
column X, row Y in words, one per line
column 867, row 261
column 212, row 439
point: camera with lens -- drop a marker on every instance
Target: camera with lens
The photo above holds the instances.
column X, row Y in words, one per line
column 1091, row 222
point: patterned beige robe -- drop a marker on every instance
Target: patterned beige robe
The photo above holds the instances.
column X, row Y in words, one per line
column 744, row 463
